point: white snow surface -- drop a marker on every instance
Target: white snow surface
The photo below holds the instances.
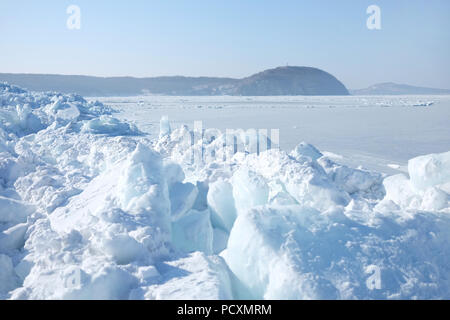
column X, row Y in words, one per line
column 93, row 208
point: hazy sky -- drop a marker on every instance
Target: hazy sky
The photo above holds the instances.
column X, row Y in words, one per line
column 230, row 38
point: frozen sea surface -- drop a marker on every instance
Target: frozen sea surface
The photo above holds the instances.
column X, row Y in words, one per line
column 377, row 132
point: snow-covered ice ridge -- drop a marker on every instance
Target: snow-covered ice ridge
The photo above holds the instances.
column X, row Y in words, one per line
column 91, row 208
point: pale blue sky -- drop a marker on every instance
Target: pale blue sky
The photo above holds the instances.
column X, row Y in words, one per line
column 230, row 38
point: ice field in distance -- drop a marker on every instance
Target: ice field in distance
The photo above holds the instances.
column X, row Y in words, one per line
column 103, row 201
column 377, row 132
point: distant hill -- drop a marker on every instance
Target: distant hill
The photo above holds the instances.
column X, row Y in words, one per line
column 289, row 81
column 390, row 88
column 278, row 81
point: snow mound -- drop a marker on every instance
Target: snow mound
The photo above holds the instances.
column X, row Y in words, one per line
column 295, row 252
column 91, row 208
column 84, row 201
column 430, row 170
column 354, row 181
column 302, row 226
column 427, row 188
column 301, row 180
column 304, row 149
column 110, row 126
column 195, row 277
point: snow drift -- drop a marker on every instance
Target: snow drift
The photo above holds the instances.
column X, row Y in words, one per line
column 91, row 208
